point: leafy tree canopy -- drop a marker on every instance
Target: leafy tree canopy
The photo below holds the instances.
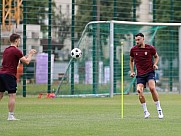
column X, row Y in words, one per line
column 167, row 11
column 85, row 13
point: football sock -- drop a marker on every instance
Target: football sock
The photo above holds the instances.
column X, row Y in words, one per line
column 158, row 105
column 11, row 113
column 144, row 107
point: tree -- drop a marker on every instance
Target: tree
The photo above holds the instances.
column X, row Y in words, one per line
column 62, row 24
column 85, row 11
column 37, row 12
column 164, row 11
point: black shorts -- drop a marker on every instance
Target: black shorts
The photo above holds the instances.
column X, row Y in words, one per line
column 143, row 79
column 8, row 83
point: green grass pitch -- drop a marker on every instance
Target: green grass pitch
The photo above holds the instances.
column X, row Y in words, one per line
column 91, row 117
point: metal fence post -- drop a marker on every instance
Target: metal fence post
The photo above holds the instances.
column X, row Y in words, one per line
column 72, row 42
column 24, row 46
column 49, row 44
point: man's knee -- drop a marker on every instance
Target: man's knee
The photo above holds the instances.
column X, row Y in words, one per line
column 152, row 89
column 12, row 96
column 140, row 93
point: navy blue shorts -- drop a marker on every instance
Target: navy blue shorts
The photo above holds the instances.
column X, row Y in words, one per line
column 8, row 83
column 143, row 79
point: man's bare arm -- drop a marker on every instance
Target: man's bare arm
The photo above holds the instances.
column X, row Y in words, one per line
column 26, row 59
column 156, row 59
column 131, row 63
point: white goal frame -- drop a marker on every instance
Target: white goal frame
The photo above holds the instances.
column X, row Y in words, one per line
column 111, row 44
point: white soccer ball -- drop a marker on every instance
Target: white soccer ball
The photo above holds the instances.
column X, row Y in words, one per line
column 76, row 53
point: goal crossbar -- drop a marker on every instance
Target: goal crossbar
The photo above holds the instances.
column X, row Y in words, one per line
column 134, row 23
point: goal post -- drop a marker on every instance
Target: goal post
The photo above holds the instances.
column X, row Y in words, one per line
column 111, row 66
column 179, row 59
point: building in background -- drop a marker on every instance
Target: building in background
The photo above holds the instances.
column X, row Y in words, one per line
column 145, row 11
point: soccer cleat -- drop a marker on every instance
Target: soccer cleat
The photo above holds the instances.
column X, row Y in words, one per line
column 147, row 114
column 11, row 118
column 160, row 114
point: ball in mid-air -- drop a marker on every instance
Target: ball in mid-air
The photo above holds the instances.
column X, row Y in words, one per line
column 76, row 53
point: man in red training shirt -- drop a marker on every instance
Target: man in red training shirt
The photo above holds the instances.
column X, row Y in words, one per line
column 142, row 55
column 11, row 57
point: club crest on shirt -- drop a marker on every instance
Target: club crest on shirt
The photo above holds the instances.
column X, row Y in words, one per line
column 146, row 53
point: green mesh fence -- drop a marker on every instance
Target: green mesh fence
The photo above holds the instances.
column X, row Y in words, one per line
column 95, row 45
column 53, row 28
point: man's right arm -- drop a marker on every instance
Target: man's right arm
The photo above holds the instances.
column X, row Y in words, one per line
column 131, row 63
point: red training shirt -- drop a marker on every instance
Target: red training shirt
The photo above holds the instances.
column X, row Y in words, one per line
column 11, row 57
column 143, row 58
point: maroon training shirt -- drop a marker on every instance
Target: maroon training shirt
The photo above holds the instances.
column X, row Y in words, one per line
column 10, row 62
column 143, row 58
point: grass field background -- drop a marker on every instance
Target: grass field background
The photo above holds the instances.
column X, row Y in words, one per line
column 91, row 117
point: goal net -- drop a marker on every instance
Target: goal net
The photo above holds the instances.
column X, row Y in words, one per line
column 103, row 69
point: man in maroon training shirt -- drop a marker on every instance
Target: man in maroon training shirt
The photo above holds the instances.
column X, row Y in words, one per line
column 142, row 55
column 11, row 57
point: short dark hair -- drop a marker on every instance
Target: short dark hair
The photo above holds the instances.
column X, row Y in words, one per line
column 13, row 37
column 139, row 34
